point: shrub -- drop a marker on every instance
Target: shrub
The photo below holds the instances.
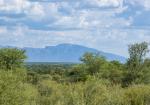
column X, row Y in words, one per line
column 137, row 95
column 14, row 90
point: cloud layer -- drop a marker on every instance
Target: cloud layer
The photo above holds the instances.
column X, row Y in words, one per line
column 108, row 25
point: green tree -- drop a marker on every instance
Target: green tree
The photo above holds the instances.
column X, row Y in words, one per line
column 93, row 62
column 112, row 71
column 14, row 89
column 145, row 78
column 78, row 73
column 11, row 58
column 137, row 53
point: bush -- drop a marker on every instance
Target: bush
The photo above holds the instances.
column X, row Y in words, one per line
column 92, row 92
column 14, row 90
column 137, row 95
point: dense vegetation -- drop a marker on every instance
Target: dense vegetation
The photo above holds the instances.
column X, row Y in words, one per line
column 95, row 81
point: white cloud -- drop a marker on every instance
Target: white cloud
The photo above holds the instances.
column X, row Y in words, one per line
column 3, row 30
column 1, row 2
column 92, row 23
column 147, row 5
column 15, row 6
column 106, row 3
column 114, row 40
column 143, row 3
column 36, row 12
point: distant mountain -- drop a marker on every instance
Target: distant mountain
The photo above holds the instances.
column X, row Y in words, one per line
column 65, row 53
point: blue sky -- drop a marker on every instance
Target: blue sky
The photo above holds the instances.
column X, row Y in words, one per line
column 107, row 25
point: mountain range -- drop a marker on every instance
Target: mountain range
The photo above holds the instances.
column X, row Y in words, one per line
column 65, row 53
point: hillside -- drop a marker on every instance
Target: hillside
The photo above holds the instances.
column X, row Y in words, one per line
column 65, row 53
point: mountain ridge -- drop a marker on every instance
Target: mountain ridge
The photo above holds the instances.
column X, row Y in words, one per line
column 65, row 53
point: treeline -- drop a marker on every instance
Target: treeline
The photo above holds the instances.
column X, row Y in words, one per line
column 95, row 81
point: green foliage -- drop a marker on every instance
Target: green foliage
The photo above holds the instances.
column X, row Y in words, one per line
column 13, row 87
column 137, row 95
column 137, row 53
column 14, row 90
column 145, row 78
column 93, row 82
column 49, row 68
column 93, row 92
column 93, row 62
column 78, row 73
column 113, row 71
column 135, row 65
column 11, row 58
column 33, row 77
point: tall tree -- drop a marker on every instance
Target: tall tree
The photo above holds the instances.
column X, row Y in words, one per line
column 138, row 51
column 137, row 54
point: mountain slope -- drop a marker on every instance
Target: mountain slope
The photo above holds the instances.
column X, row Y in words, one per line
column 64, row 53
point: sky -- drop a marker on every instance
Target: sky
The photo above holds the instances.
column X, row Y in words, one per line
column 107, row 25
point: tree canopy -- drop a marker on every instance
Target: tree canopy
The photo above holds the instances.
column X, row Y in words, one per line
column 11, row 58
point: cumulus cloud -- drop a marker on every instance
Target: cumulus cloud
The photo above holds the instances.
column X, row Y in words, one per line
column 106, row 3
column 15, row 6
column 114, row 40
column 36, row 12
column 108, row 25
column 144, row 3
